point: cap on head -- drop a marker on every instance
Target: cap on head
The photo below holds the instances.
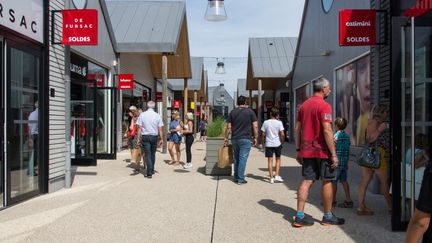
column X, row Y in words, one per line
column 132, row 108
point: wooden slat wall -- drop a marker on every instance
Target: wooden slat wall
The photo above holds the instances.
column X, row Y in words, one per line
column 56, row 104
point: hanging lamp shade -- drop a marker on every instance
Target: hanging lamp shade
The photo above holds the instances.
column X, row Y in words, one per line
column 215, row 11
column 220, row 68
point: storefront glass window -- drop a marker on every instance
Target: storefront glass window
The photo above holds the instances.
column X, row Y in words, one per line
column 422, row 135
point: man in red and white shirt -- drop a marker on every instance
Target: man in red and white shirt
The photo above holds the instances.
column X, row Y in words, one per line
column 316, row 152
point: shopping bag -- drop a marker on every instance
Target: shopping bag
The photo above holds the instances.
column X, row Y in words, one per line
column 225, row 156
column 136, row 155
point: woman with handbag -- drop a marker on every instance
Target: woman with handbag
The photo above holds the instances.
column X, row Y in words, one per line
column 132, row 135
column 377, row 138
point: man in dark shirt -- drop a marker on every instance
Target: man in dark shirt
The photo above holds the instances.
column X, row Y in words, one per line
column 241, row 120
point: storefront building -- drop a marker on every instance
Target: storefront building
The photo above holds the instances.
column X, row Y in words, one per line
column 409, row 90
column 384, row 74
column 24, row 98
column 93, row 94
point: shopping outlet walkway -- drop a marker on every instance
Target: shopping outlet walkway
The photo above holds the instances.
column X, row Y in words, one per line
column 109, row 203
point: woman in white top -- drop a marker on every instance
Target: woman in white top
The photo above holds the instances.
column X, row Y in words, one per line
column 188, row 133
column 273, row 135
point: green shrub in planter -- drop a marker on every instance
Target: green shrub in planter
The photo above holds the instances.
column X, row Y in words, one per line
column 216, row 128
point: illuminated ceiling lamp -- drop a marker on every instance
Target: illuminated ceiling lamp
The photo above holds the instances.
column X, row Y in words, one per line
column 215, row 11
column 220, row 67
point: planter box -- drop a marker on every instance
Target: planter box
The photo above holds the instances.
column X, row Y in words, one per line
column 212, row 147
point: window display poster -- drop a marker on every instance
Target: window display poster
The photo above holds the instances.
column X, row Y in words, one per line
column 353, row 97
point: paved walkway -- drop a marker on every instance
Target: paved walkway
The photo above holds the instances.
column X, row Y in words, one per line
column 109, row 203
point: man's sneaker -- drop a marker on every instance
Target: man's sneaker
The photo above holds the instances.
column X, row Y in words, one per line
column 278, row 179
column 272, row 180
column 300, row 222
column 333, row 220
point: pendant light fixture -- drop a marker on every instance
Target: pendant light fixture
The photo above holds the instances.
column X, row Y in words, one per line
column 215, row 11
column 220, row 67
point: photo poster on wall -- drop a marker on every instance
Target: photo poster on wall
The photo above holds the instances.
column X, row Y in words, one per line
column 353, row 97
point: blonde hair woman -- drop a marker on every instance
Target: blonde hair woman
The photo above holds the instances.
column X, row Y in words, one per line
column 189, row 138
column 175, row 139
column 377, row 137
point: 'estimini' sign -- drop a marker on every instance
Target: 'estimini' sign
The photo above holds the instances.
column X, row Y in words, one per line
column 80, row 27
column 357, row 27
column 125, row 81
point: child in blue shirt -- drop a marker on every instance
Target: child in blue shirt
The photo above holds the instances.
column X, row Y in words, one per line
column 342, row 142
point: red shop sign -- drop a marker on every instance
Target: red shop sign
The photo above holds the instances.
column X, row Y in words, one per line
column 99, row 77
column 421, row 7
column 80, row 27
column 176, row 104
column 357, row 27
column 125, row 81
column 269, row 104
column 158, row 96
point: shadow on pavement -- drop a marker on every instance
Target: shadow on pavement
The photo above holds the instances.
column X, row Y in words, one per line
column 287, row 212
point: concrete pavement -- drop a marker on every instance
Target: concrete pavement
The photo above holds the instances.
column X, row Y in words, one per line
column 109, row 203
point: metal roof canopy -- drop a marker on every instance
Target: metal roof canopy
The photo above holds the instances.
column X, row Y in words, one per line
column 154, row 28
column 271, row 60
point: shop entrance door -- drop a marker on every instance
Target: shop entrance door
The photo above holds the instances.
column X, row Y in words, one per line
column 83, row 125
column 2, row 95
column 411, row 112
column 21, row 126
column 106, row 123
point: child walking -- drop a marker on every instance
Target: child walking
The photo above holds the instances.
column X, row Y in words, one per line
column 342, row 142
column 273, row 135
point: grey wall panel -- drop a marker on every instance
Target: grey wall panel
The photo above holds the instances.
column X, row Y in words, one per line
column 57, row 103
column 138, row 64
column 320, row 33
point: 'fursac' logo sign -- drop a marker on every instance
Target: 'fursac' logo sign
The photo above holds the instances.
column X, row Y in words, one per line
column 80, row 27
column 357, row 27
column 24, row 17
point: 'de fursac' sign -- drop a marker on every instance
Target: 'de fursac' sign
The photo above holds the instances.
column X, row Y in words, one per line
column 80, row 27
column 24, row 17
column 357, row 27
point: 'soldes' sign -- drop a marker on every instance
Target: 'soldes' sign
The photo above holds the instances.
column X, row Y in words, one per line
column 357, row 27
column 125, row 81
column 80, row 27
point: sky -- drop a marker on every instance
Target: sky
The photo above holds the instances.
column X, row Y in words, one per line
column 229, row 39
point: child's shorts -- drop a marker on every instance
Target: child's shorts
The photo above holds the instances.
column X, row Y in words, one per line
column 269, row 151
column 342, row 175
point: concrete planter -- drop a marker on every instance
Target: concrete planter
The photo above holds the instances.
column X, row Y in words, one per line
column 212, row 147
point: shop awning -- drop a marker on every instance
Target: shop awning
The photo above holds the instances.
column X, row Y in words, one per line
column 153, row 28
column 271, row 60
